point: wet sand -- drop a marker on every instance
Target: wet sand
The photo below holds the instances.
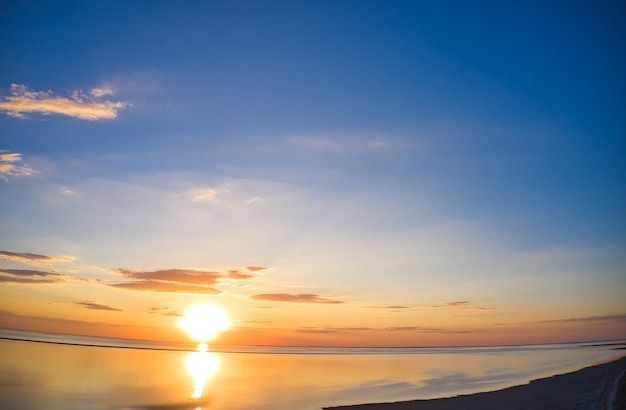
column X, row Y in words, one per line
column 594, row 387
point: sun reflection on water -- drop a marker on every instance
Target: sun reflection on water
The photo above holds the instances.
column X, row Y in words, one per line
column 202, row 322
column 201, row 365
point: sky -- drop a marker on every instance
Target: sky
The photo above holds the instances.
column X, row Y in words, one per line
column 329, row 173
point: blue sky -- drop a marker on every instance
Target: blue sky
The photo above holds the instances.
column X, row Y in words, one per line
column 373, row 152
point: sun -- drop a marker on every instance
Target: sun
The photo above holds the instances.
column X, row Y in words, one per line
column 203, row 322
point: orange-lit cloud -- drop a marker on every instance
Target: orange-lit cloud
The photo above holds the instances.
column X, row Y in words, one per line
column 10, row 167
column 620, row 318
column 322, row 330
column 237, row 274
column 165, row 311
column 156, row 286
column 33, row 258
column 12, row 279
column 444, row 305
column 86, row 106
column 202, row 194
column 259, row 322
column 410, row 329
column 255, row 268
column 299, row 298
column 27, row 276
column 175, row 275
column 29, row 272
column 394, row 307
column 96, row 306
column 418, row 329
column 454, row 304
column 178, row 280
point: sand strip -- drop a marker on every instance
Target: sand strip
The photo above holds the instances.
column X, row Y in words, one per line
column 593, row 387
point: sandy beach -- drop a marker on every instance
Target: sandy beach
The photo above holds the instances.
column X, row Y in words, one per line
column 594, row 387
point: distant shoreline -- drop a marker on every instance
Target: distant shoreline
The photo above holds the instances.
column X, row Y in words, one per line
column 591, row 387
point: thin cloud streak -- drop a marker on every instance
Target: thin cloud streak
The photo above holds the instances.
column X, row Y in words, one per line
column 33, row 258
column 30, row 277
column 96, row 306
column 445, row 305
column 348, row 144
column 89, row 107
column 413, row 329
column 619, row 318
column 165, row 311
column 156, row 286
column 29, row 273
column 28, row 281
column 175, row 275
column 298, row 298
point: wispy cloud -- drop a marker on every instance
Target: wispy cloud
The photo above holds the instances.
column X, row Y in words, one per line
column 202, row 194
column 393, row 307
column 255, row 268
column 350, row 143
column 444, row 305
column 411, row 329
column 237, row 274
column 10, row 165
column 419, row 329
column 30, row 277
column 86, row 106
column 174, row 275
column 29, row 273
column 33, row 258
column 28, row 281
column 102, row 91
column 257, row 322
column 323, row 330
column 618, row 318
column 165, row 311
column 156, row 286
column 180, row 280
column 299, row 298
column 96, row 306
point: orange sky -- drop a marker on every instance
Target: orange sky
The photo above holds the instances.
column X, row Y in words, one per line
column 52, row 296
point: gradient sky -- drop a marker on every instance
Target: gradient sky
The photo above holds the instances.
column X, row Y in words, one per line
column 378, row 173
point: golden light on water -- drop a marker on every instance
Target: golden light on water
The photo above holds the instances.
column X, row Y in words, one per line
column 203, row 322
column 201, row 365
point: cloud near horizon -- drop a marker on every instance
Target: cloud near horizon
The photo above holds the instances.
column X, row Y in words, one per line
column 415, row 329
column 33, row 258
column 617, row 318
column 171, row 287
column 443, row 305
column 181, row 280
column 298, row 298
column 29, row 281
column 85, row 106
column 165, row 311
column 27, row 276
column 96, row 306
column 189, row 276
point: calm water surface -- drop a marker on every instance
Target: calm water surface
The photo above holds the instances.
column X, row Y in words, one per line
column 55, row 376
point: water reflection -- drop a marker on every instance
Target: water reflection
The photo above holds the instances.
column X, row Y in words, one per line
column 201, row 365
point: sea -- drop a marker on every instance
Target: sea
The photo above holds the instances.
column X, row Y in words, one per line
column 51, row 371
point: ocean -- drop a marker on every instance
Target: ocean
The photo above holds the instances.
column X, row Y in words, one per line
column 45, row 371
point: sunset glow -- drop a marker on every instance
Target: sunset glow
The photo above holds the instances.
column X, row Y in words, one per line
column 314, row 173
column 203, row 322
